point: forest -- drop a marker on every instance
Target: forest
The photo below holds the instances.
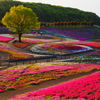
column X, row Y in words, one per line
column 51, row 13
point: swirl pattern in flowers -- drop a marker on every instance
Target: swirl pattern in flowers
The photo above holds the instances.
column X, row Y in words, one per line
column 59, row 48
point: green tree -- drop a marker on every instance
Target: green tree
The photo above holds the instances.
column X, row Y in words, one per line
column 20, row 19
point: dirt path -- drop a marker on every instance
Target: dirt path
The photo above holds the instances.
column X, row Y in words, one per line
column 9, row 94
column 4, row 56
column 26, row 50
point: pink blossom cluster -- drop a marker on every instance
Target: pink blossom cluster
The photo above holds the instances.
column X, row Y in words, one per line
column 89, row 43
column 14, row 54
column 86, row 88
column 37, row 40
column 65, row 47
column 40, row 36
column 34, row 75
column 5, row 39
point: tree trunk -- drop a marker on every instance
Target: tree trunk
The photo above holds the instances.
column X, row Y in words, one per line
column 20, row 35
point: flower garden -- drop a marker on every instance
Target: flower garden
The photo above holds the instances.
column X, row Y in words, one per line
column 21, row 45
column 5, row 39
column 14, row 78
column 30, row 40
column 89, row 43
column 76, row 33
column 14, row 54
column 53, row 41
column 86, row 88
column 60, row 48
column 5, row 31
column 40, row 36
column 90, row 56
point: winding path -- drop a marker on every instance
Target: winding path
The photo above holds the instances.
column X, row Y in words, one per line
column 8, row 94
column 26, row 50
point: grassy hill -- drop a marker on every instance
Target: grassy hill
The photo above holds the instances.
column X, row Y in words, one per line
column 51, row 13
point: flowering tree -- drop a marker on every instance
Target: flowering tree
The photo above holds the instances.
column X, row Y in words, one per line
column 20, row 20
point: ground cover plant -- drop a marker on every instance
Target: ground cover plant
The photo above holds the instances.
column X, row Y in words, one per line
column 14, row 78
column 50, row 49
column 38, row 36
column 90, row 56
column 20, row 76
column 76, row 33
column 15, row 54
column 88, row 43
column 5, row 39
column 7, row 35
column 60, row 48
column 48, row 33
column 85, row 88
column 21, row 45
column 84, row 36
column 30, row 40
column 5, row 31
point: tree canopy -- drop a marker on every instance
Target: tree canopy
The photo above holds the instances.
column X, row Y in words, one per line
column 20, row 19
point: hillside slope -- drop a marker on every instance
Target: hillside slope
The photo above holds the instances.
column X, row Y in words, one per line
column 51, row 13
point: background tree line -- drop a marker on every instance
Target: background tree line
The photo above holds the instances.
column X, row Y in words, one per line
column 51, row 13
column 69, row 23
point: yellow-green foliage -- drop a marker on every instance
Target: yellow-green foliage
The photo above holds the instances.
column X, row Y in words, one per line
column 20, row 19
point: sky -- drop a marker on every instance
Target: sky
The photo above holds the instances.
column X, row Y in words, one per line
column 85, row 5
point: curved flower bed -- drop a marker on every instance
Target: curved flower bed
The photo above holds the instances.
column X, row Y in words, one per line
column 29, row 40
column 88, row 43
column 86, row 88
column 14, row 54
column 77, row 33
column 21, row 45
column 41, row 36
column 59, row 48
column 5, row 39
column 14, row 78
column 90, row 56
column 95, row 53
column 5, row 31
